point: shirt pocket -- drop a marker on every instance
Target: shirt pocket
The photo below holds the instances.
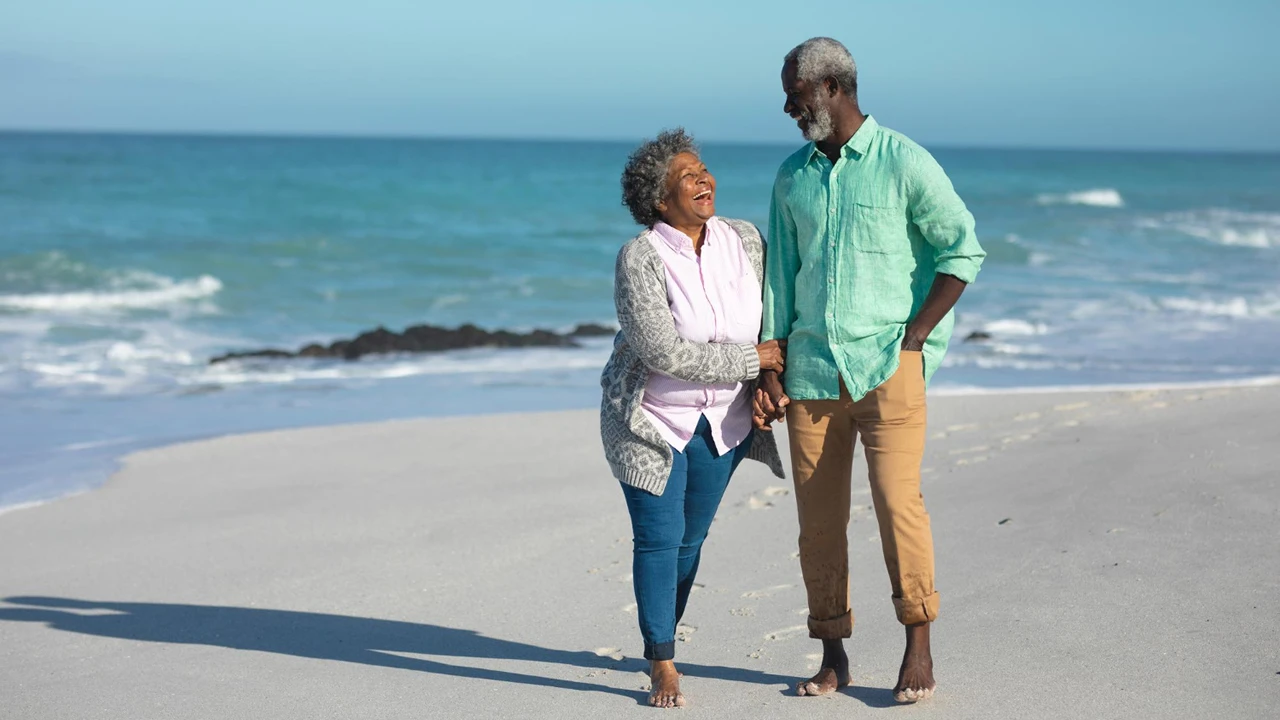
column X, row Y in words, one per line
column 880, row 228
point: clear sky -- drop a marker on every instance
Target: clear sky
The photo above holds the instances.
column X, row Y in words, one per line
column 1117, row 74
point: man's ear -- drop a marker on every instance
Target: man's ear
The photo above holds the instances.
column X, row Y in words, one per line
column 831, row 86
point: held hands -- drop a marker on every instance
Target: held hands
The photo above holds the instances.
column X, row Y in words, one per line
column 772, row 355
column 770, row 402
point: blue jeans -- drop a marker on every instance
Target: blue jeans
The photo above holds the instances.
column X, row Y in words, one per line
column 668, row 531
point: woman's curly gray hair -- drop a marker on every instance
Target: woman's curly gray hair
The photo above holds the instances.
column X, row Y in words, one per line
column 644, row 179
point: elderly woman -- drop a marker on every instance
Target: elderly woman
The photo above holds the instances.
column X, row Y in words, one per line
column 676, row 416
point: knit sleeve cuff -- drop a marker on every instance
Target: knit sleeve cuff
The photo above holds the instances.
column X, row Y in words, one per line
column 750, row 362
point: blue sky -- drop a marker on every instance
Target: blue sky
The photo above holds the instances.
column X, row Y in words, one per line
column 1117, row 74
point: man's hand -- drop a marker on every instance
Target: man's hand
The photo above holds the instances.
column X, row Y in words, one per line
column 913, row 343
column 770, row 397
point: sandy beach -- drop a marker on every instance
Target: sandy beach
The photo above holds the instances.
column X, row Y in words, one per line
column 1100, row 555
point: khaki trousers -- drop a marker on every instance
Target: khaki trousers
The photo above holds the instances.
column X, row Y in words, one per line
column 891, row 421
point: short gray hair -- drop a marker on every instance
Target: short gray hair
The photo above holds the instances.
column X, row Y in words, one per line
column 644, row 179
column 820, row 58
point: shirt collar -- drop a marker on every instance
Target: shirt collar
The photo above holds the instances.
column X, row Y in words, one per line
column 860, row 143
column 677, row 240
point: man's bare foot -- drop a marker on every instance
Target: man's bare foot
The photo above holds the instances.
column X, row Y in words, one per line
column 833, row 675
column 915, row 679
column 664, row 682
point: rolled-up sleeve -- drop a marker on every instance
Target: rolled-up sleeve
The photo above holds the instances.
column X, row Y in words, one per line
column 943, row 220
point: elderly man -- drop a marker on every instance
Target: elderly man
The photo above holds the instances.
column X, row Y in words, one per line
column 870, row 248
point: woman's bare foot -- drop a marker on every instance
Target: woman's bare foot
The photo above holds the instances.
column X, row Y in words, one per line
column 915, row 679
column 664, row 682
column 833, row 675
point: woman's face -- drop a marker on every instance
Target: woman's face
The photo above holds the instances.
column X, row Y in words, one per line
column 691, row 193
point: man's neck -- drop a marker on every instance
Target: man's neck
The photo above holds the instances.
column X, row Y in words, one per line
column 845, row 126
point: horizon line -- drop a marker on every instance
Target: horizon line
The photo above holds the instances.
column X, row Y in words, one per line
column 304, row 135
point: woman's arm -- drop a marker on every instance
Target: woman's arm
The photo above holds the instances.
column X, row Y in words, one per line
column 640, row 295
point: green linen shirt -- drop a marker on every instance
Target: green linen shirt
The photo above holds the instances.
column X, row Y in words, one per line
column 853, row 250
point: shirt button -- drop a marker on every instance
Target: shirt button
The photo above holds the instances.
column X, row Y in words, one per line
column 833, row 211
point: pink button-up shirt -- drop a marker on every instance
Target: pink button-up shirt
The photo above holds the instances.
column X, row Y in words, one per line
column 714, row 297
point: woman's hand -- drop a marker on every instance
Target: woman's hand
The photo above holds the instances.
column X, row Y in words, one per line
column 759, row 418
column 773, row 355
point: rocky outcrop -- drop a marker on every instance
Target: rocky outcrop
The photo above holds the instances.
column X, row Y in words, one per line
column 427, row 338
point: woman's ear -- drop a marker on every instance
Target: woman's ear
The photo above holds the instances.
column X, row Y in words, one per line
column 661, row 206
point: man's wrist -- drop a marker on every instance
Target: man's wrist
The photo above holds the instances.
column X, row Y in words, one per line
column 914, row 339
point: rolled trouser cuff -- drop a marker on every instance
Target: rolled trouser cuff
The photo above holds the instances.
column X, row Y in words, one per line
column 836, row 628
column 660, row 651
column 913, row 611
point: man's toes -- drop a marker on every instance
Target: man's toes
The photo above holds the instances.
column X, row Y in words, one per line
column 679, row 701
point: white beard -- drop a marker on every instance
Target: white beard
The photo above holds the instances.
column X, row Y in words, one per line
column 821, row 126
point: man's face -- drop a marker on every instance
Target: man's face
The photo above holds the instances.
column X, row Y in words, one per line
column 809, row 104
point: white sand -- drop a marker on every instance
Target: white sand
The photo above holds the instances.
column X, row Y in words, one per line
column 1100, row 555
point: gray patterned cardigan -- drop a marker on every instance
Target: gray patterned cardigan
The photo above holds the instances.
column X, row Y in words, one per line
column 648, row 341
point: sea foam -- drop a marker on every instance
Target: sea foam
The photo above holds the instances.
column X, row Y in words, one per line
column 1100, row 197
column 1231, row 228
column 165, row 292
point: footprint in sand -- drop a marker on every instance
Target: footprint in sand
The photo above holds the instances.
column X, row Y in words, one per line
column 962, row 428
column 756, row 503
column 787, row 633
column 776, row 490
column 1026, row 416
column 611, row 653
column 629, row 608
column 684, row 632
column 972, row 460
column 766, row 592
column 743, row 612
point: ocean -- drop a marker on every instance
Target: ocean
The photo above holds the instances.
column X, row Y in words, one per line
column 126, row 262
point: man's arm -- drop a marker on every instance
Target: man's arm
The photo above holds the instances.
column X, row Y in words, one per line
column 948, row 226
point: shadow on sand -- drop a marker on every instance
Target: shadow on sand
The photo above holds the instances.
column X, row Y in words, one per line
column 366, row 641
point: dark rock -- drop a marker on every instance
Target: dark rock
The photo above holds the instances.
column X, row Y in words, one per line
column 977, row 336
column 593, row 330
column 428, row 338
column 268, row 353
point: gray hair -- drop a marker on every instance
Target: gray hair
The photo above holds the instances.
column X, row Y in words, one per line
column 820, row 58
column 644, row 179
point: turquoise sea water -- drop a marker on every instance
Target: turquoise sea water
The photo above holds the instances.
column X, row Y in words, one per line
column 127, row 261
